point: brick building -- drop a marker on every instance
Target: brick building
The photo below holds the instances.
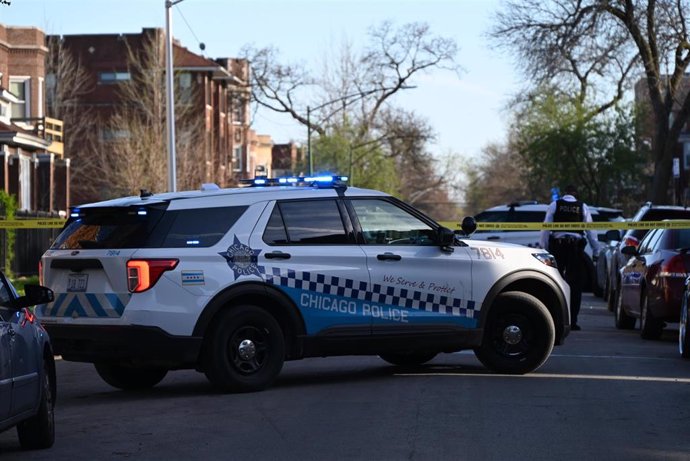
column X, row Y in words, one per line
column 32, row 163
column 216, row 90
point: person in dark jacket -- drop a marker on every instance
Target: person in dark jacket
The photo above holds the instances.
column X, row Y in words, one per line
column 568, row 247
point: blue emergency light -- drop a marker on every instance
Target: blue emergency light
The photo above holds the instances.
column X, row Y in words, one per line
column 317, row 181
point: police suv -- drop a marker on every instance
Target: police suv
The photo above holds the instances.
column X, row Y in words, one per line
column 233, row 282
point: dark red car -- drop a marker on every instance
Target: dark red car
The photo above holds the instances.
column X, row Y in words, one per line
column 653, row 280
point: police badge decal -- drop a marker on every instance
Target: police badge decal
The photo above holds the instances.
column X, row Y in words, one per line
column 242, row 259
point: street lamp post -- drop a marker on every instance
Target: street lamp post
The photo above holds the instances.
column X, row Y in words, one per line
column 311, row 164
column 169, row 95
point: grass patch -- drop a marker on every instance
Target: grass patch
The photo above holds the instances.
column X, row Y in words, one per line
column 19, row 283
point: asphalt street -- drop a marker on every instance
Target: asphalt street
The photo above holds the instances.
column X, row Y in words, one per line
column 605, row 394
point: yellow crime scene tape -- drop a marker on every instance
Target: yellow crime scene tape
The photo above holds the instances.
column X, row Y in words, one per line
column 32, row 223
column 674, row 224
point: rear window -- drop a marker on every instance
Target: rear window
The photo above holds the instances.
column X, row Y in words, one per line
column 146, row 227
column 657, row 214
column 509, row 216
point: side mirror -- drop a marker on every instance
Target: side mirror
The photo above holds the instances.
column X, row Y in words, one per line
column 469, row 225
column 446, row 238
column 612, row 235
column 630, row 251
column 34, row 294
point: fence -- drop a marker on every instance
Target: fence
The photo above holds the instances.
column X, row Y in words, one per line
column 29, row 244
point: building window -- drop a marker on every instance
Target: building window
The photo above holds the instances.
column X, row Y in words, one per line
column 238, row 104
column 24, row 182
column 41, row 89
column 184, row 83
column 237, row 158
column 20, row 87
column 109, row 78
column 51, row 88
column 114, row 135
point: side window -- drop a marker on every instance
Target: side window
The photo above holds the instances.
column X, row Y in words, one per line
column 683, row 236
column 199, row 227
column 5, row 294
column 647, row 244
column 306, row 222
column 384, row 223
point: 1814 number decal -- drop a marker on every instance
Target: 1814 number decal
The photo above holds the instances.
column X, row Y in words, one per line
column 488, row 253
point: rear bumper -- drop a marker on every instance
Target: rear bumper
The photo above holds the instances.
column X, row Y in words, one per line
column 130, row 344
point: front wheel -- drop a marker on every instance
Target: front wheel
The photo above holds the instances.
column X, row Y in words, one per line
column 408, row 360
column 683, row 338
column 650, row 327
column 39, row 431
column 623, row 320
column 245, row 350
column 129, row 378
column 519, row 334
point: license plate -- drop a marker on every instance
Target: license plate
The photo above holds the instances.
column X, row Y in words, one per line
column 77, row 282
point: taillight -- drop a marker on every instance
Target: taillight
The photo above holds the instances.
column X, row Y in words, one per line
column 143, row 274
column 28, row 317
column 674, row 267
column 630, row 242
column 40, row 272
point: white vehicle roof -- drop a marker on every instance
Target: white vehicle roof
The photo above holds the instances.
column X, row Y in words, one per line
column 239, row 195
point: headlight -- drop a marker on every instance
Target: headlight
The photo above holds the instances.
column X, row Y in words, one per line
column 546, row 258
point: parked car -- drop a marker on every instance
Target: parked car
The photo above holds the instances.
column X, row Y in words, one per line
column 27, row 367
column 683, row 328
column 632, row 237
column 602, row 261
column 535, row 212
column 652, row 281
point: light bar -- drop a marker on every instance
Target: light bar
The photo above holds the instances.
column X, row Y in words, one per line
column 321, row 180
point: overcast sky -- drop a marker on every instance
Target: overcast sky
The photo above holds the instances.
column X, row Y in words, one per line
column 467, row 112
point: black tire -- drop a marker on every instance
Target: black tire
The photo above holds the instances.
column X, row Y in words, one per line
column 245, row 350
column 650, row 327
column 683, row 336
column 129, row 378
column 38, row 432
column 623, row 320
column 607, row 291
column 518, row 336
column 411, row 359
column 613, row 299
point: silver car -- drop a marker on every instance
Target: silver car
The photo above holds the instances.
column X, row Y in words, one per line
column 27, row 367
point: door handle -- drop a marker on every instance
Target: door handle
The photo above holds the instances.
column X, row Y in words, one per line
column 494, row 237
column 388, row 257
column 277, row 255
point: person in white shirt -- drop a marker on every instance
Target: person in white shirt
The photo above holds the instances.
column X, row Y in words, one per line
column 568, row 247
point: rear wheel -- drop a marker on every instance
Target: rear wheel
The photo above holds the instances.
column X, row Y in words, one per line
column 245, row 350
column 518, row 336
column 129, row 378
column 623, row 320
column 612, row 300
column 408, row 360
column 39, row 430
column 650, row 327
column 683, row 337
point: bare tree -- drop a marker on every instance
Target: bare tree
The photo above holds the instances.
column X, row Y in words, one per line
column 67, row 81
column 594, row 46
column 351, row 97
column 135, row 155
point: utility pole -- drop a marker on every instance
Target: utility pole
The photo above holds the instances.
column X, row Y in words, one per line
column 170, row 95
